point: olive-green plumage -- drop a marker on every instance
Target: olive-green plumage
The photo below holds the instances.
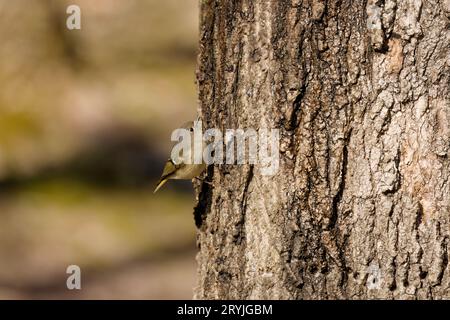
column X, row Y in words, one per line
column 178, row 169
column 181, row 171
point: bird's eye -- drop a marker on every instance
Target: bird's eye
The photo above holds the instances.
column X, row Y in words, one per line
column 191, row 129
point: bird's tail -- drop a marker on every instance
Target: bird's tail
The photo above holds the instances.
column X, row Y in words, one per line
column 160, row 184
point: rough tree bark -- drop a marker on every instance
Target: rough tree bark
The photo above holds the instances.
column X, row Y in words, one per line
column 360, row 207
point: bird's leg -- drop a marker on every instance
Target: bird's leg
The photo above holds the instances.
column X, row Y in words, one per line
column 204, row 181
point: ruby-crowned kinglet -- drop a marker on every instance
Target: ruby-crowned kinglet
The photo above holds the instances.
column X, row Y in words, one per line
column 181, row 167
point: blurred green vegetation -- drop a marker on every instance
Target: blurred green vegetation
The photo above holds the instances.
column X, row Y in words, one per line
column 85, row 123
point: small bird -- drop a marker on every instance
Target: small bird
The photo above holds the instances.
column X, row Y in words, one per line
column 178, row 168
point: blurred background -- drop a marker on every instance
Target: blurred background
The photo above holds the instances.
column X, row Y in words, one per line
column 85, row 123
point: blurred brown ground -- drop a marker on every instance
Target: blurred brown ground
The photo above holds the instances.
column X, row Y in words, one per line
column 85, row 123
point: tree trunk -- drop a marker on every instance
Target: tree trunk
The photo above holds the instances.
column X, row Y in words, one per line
column 360, row 206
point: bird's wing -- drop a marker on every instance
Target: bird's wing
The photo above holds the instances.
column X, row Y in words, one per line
column 169, row 169
column 159, row 185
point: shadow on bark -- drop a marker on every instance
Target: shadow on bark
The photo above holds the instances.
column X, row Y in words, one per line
column 204, row 199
